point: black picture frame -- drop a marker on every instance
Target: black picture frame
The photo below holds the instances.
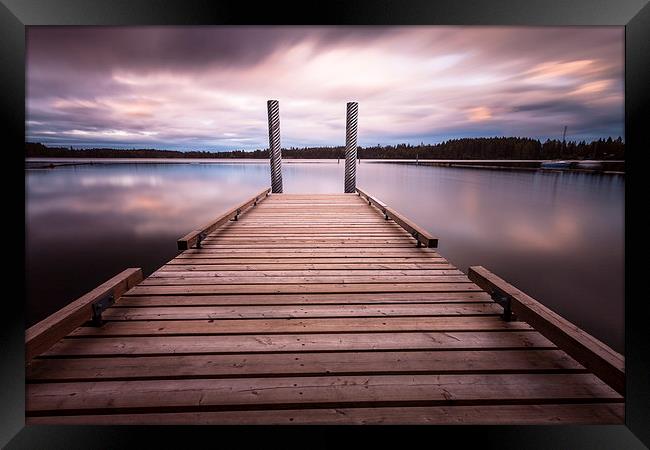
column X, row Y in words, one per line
column 16, row 14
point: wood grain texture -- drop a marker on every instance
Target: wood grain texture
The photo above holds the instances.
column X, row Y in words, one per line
column 529, row 414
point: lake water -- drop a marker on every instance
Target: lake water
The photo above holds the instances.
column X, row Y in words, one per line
column 557, row 236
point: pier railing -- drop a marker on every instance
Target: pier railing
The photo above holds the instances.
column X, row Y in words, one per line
column 422, row 236
column 593, row 354
column 195, row 237
column 40, row 337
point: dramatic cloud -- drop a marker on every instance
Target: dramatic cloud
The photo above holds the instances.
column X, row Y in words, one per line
column 206, row 87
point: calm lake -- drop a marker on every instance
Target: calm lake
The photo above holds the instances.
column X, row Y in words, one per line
column 557, row 236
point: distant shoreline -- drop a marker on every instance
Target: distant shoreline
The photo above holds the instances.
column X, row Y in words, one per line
column 611, row 167
column 483, row 149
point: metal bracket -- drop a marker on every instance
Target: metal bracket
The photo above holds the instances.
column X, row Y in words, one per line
column 99, row 306
column 199, row 239
column 504, row 301
column 416, row 235
column 385, row 214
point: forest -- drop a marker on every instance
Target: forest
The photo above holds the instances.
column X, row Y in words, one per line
column 465, row 148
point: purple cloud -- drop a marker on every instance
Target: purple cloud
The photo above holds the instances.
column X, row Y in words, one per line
column 206, row 87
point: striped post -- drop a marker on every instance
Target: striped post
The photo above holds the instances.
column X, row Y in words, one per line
column 351, row 147
column 275, row 152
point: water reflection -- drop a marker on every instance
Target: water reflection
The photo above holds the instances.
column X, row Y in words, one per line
column 558, row 236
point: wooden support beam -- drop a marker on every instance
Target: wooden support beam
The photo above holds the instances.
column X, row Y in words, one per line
column 40, row 337
column 191, row 239
column 597, row 357
column 420, row 234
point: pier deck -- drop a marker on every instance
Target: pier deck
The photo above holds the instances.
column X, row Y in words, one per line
column 311, row 309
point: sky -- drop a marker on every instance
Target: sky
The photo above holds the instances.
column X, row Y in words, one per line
column 206, row 88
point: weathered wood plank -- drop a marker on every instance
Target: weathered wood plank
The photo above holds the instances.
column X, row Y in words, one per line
column 297, row 299
column 332, row 391
column 44, row 334
column 137, row 346
column 316, row 252
column 302, row 288
column 130, row 328
column 587, row 350
column 420, row 268
column 332, row 246
column 146, row 312
column 220, row 259
column 287, row 364
column 582, row 414
column 298, row 270
column 287, row 280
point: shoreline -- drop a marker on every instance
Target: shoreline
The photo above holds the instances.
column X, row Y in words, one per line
column 607, row 167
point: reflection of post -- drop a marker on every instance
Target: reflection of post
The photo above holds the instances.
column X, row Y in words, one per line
column 351, row 147
column 275, row 153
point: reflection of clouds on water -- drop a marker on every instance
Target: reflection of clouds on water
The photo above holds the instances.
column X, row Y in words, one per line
column 120, row 180
column 136, row 201
column 560, row 231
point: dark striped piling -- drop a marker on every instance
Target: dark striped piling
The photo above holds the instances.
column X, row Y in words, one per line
column 275, row 152
column 351, row 147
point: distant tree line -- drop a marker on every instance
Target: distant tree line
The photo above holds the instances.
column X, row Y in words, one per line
column 466, row 148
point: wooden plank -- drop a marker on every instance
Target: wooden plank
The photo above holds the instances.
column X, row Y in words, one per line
column 315, row 245
column 284, row 236
column 213, row 259
column 192, row 238
column 338, row 279
column 311, row 240
column 297, row 299
column 312, row 310
column 306, row 253
column 298, row 267
column 296, row 270
column 461, row 340
column 368, row 251
column 245, row 226
column 330, row 391
column 41, row 336
column 286, row 364
column 302, row 288
column 587, row 350
column 213, row 327
column 552, row 414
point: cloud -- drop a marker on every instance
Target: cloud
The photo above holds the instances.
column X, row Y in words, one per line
column 206, row 87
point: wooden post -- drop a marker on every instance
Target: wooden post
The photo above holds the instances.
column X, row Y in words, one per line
column 351, row 147
column 275, row 152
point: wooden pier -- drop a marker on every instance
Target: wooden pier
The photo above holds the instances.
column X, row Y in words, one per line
column 315, row 309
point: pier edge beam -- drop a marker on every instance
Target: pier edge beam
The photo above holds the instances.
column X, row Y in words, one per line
column 351, row 147
column 275, row 151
